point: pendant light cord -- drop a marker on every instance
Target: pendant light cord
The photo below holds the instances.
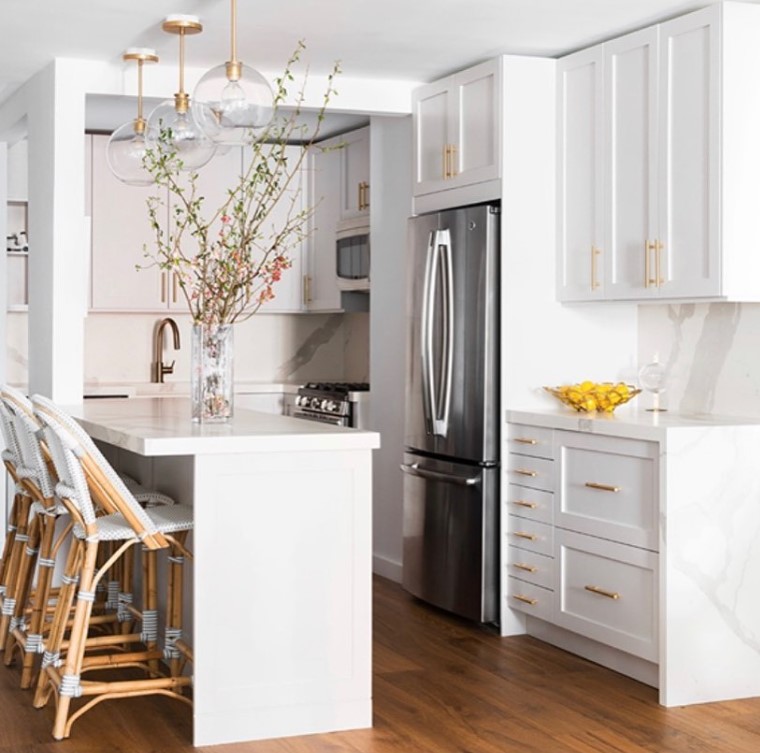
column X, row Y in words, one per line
column 233, row 32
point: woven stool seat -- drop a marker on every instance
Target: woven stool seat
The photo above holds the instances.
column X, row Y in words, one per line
column 167, row 519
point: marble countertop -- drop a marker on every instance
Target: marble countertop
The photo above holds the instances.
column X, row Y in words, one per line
column 629, row 423
column 156, row 426
column 177, row 389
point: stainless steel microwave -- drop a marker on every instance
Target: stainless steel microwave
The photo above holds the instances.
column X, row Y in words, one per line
column 352, row 254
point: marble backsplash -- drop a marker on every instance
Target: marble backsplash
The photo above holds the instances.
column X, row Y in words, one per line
column 711, row 352
column 268, row 348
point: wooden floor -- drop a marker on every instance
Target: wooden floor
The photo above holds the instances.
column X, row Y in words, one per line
column 440, row 685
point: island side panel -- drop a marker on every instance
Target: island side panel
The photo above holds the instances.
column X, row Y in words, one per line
column 282, row 596
column 710, row 566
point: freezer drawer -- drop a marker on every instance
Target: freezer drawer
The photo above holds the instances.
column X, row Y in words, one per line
column 451, row 534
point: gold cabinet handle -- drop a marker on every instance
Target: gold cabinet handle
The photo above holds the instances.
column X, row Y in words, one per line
column 602, row 487
column 446, row 161
column 525, row 599
column 649, row 246
column 594, row 255
column 523, row 535
column 602, row 592
column 523, row 503
column 527, row 568
column 163, row 286
column 366, row 196
column 453, row 160
column 174, row 287
column 525, row 472
column 306, row 289
column 658, row 260
column 525, row 440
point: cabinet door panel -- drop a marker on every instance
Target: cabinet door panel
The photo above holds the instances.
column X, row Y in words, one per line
column 631, row 196
column 476, row 156
column 355, row 174
column 288, row 291
column 120, row 230
column 431, row 109
column 324, row 178
column 689, row 153
column 580, row 150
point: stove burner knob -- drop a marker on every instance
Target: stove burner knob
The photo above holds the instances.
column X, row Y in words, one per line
column 332, row 406
column 326, row 405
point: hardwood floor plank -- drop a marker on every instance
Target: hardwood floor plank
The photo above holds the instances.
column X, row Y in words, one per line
column 441, row 685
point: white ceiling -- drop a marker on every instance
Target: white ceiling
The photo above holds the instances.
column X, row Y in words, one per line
column 417, row 40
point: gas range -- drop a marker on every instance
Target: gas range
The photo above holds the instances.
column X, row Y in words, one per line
column 337, row 403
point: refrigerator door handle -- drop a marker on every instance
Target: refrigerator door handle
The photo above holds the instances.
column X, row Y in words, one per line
column 426, row 339
column 441, row 422
column 415, row 470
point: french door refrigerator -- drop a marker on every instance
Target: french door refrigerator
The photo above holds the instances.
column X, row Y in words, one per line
column 451, row 459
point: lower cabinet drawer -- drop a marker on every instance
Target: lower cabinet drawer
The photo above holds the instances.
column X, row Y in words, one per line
column 529, row 503
column 530, row 599
column 531, row 567
column 607, row 592
column 537, row 473
column 528, row 534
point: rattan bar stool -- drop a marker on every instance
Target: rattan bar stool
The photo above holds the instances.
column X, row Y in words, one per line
column 17, row 533
column 30, row 619
column 87, row 482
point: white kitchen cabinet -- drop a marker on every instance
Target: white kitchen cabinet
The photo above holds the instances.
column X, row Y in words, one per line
column 120, row 230
column 580, row 213
column 679, row 153
column 457, row 132
column 654, row 564
column 354, row 176
column 18, row 171
column 321, row 292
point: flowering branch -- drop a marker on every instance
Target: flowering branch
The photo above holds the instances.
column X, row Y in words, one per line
column 227, row 265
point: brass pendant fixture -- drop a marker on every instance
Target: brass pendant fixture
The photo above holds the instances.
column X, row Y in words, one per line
column 233, row 101
column 171, row 125
column 126, row 147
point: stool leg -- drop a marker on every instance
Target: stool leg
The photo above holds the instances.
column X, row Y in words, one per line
column 14, row 563
column 174, row 607
column 21, row 590
column 150, row 604
column 46, row 564
column 72, row 666
column 60, row 620
column 10, row 537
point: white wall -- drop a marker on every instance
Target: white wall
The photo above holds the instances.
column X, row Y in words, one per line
column 711, row 352
column 390, row 168
column 3, row 278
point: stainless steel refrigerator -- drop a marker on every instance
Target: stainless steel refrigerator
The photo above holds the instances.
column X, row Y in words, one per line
column 451, row 460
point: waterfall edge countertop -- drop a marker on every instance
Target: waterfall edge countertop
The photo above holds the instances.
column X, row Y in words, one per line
column 156, row 426
column 280, row 618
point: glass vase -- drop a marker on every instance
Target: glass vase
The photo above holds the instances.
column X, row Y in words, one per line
column 211, row 380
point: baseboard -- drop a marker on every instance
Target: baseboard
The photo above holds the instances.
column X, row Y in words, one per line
column 631, row 666
column 388, row 568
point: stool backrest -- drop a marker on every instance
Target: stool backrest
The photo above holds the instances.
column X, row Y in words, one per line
column 12, row 451
column 83, row 471
column 26, row 428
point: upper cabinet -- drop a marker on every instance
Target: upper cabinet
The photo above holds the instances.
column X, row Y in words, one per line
column 321, row 292
column 457, row 136
column 658, row 157
column 354, row 176
column 120, row 231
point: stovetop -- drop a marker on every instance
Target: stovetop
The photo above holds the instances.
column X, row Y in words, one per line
column 335, row 390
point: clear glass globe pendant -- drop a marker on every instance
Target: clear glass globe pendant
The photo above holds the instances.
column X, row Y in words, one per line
column 126, row 148
column 171, row 126
column 233, row 101
column 653, row 377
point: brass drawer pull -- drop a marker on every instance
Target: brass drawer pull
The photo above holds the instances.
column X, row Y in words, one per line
column 525, row 440
column 525, row 472
column 525, row 599
column 594, row 254
column 527, row 568
column 603, row 592
column 602, row 487
column 523, row 503
column 523, row 535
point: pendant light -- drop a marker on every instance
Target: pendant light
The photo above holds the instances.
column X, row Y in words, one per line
column 127, row 145
column 173, row 118
column 232, row 100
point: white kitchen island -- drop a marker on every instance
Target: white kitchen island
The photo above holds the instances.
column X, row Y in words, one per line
column 281, row 576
